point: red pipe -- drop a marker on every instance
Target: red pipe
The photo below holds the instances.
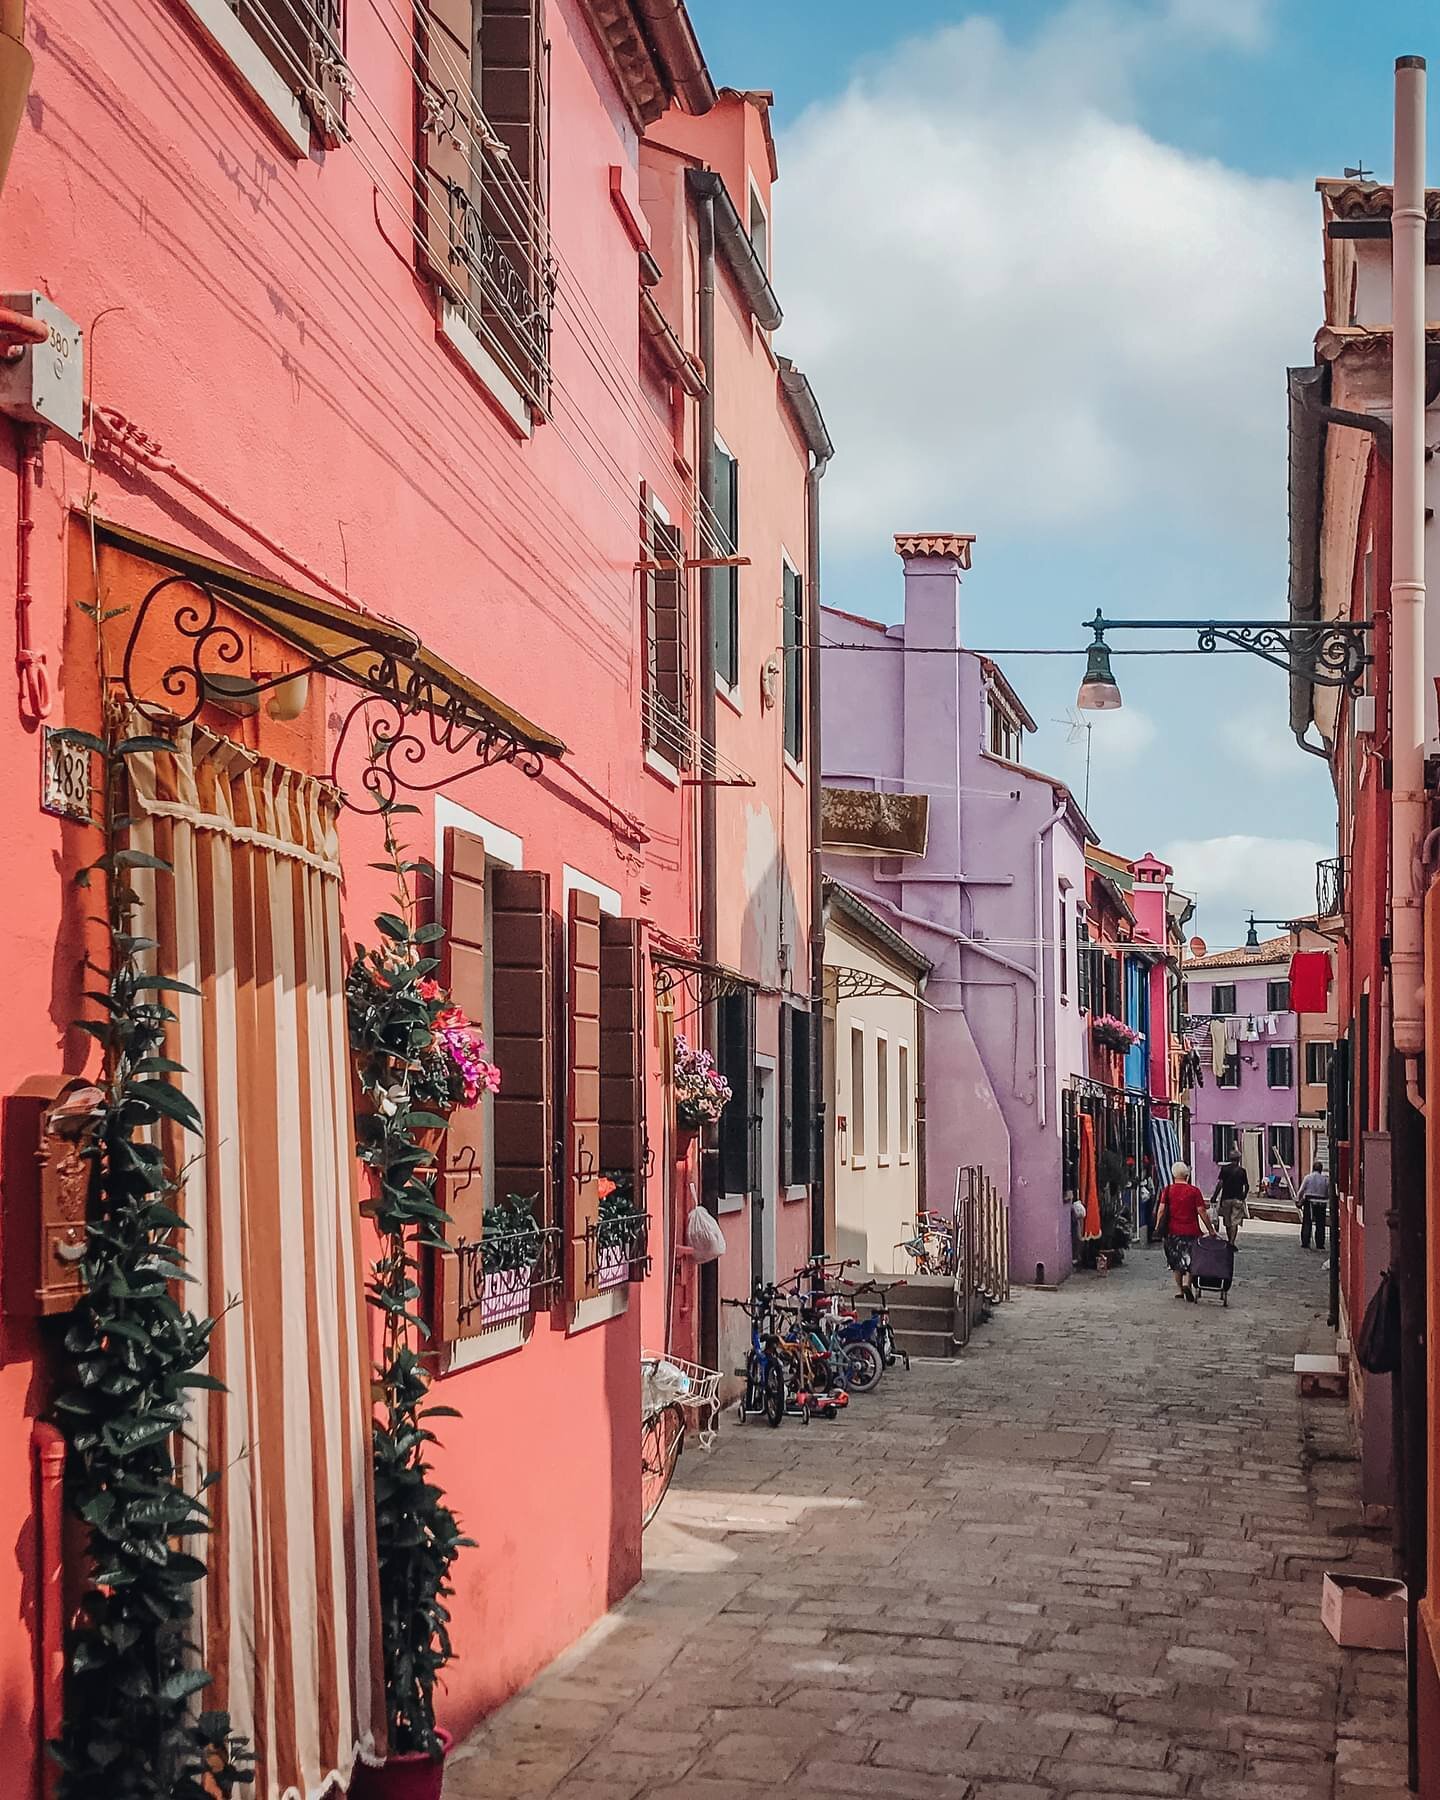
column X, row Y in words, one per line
column 29, row 662
column 48, row 1448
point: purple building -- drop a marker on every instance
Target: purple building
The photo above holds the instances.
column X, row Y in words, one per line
column 932, row 816
column 1239, row 1005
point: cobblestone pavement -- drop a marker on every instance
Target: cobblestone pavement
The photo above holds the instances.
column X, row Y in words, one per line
column 1084, row 1560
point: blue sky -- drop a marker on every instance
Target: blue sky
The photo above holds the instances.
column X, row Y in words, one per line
column 1046, row 265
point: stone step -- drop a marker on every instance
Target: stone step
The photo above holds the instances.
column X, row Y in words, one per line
column 925, row 1343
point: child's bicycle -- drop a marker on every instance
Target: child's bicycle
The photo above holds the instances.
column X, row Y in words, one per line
column 877, row 1329
column 850, row 1346
column 932, row 1248
column 766, row 1387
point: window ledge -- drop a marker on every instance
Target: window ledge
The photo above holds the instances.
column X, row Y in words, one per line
column 732, row 697
column 797, row 769
column 729, row 1203
column 858, row 1162
column 904, row 1157
column 263, row 83
column 882, row 1162
column 599, row 1309
column 467, row 1353
column 797, row 1190
column 509, row 404
column 662, row 769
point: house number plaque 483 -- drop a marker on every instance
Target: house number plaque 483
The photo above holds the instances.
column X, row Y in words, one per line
column 65, row 781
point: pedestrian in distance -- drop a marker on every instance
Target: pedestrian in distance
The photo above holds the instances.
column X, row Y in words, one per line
column 1182, row 1219
column 1232, row 1191
column 1314, row 1206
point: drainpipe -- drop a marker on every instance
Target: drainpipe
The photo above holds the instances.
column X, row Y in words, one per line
column 1408, row 817
column 16, row 69
column 1407, row 585
column 1042, row 1072
column 818, row 1098
column 47, row 1446
column 709, row 889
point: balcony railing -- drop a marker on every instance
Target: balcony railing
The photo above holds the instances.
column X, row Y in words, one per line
column 506, row 1276
column 617, row 1250
column 1330, row 886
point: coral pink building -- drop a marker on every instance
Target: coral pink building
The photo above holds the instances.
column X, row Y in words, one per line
column 417, row 366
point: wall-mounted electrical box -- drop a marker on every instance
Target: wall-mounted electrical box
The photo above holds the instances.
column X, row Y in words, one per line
column 1362, row 712
column 45, row 384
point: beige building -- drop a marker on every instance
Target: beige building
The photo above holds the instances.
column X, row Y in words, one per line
column 874, row 1074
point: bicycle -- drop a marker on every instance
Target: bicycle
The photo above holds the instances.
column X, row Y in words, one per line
column 849, row 1345
column 877, row 1329
column 669, row 1387
column 933, row 1249
column 766, row 1389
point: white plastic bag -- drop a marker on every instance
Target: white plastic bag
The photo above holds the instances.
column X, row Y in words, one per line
column 703, row 1236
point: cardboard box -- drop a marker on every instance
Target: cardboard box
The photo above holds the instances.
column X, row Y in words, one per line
column 1364, row 1612
column 1321, row 1375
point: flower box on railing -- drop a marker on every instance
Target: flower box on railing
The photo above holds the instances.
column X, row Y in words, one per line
column 613, row 1266
column 507, row 1275
column 1114, row 1033
column 617, row 1249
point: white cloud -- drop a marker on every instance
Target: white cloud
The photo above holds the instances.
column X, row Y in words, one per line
column 1235, row 875
column 1118, row 738
column 1024, row 312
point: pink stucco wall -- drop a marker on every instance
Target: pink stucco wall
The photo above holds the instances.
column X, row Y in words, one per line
column 1254, row 1102
column 259, row 314
column 1002, row 839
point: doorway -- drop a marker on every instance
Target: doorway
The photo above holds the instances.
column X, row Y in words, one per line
column 1252, row 1154
column 766, row 1200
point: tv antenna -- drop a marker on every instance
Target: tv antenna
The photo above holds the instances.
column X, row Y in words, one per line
column 1076, row 725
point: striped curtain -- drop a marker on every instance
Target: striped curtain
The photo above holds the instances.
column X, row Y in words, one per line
column 288, row 1613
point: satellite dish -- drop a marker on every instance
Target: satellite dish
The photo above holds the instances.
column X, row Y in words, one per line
column 1197, row 946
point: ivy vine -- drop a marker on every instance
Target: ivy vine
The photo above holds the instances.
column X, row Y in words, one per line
column 392, row 1031
column 132, row 1730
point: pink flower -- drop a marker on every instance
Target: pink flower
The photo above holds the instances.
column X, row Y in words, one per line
column 428, row 990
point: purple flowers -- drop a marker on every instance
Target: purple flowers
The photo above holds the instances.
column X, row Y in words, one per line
column 701, row 1091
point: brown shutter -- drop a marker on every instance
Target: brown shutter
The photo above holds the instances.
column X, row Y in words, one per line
column 462, row 1182
column 668, row 615
column 622, row 1053
column 444, row 122
column 582, row 1093
column 522, row 987
column 327, row 66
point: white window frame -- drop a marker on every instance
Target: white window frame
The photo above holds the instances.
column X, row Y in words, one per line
column 506, row 400
column 882, row 1100
column 796, row 765
column 1279, row 1087
column 734, row 695
column 504, row 847
column 905, row 1087
column 263, row 84
column 756, row 198
column 859, row 1136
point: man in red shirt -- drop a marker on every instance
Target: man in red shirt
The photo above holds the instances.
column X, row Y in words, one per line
column 1183, row 1218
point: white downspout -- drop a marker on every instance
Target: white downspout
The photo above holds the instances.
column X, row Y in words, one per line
column 1407, row 565
column 1042, row 1071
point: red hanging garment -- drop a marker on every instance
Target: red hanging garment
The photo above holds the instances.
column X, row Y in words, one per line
column 1310, row 981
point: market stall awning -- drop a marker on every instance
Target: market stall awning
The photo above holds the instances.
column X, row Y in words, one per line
column 364, row 650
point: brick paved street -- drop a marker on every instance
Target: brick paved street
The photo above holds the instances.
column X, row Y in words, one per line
column 1084, row 1560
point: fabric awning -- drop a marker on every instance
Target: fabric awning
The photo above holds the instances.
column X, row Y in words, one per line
column 364, row 650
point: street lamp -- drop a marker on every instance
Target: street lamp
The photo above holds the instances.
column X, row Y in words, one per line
column 1252, row 936
column 1331, row 652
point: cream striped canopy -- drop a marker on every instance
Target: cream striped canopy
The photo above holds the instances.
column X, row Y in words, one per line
column 251, row 918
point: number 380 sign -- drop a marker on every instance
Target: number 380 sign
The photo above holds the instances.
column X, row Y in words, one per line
column 65, row 786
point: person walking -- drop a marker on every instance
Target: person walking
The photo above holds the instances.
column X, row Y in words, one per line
column 1314, row 1206
column 1181, row 1217
column 1232, row 1190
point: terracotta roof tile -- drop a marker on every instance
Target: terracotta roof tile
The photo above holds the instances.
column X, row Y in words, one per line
column 954, row 544
column 1270, row 950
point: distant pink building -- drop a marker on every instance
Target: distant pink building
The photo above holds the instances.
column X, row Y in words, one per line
column 981, row 861
column 1248, row 1039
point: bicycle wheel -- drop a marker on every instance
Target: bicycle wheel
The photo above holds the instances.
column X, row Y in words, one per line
column 774, row 1394
column 864, row 1366
column 662, row 1437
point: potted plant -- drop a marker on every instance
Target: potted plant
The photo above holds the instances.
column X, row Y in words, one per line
column 416, row 1058
column 1114, row 1033
column 615, row 1231
column 701, row 1091
column 509, row 1252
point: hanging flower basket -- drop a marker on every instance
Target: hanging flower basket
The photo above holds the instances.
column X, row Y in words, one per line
column 701, row 1091
column 1113, row 1033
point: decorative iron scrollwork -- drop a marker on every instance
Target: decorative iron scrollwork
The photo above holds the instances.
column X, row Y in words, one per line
column 413, row 718
column 523, row 1277
column 695, row 982
column 1331, row 654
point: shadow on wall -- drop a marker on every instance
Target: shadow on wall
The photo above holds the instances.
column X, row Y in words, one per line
column 772, row 914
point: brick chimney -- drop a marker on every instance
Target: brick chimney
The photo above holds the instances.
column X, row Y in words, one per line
column 933, row 563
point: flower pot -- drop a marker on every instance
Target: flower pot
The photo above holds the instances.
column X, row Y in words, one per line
column 613, row 1264
column 412, row 1776
column 505, row 1295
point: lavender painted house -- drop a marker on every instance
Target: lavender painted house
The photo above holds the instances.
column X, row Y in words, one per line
column 932, row 817
column 1247, row 1037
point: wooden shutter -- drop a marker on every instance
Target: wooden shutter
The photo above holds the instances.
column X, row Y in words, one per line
column 512, row 63
column 667, row 616
column 622, row 1052
column 805, row 1105
column 789, row 1099
column 462, row 1181
column 1082, row 965
column 794, row 663
column 739, row 1147
column 444, row 121
column 582, row 1093
column 523, row 988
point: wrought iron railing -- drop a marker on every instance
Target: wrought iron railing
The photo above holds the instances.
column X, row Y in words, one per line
column 617, row 1250
column 506, row 1276
column 1330, row 886
column 982, row 1250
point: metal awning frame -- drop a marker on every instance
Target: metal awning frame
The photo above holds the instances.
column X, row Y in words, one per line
column 699, row 983
column 410, row 700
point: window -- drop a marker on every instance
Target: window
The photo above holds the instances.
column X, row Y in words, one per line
column 483, row 130
column 857, row 1093
column 1280, row 1066
column 798, row 1122
column 1277, row 996
column 794, row 604
column 1222, row 998
column 907, row 1103
column 1111, row 982
column 725, row 583
column 1082, row 964
column 1317, row 1063
column 1231, row 1077
column 1004, row 734
column 1282, row 1146
column 1223, row 1143
column 759, row 228
column 882, row 1099
column 667, row 633
column 735, row 1056
column 1063, row 939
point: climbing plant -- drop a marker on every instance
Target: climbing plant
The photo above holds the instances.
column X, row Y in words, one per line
column 133, row 1728
column 417, row 1057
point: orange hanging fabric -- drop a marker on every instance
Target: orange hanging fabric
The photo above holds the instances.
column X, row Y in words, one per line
column 1089, row 1187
